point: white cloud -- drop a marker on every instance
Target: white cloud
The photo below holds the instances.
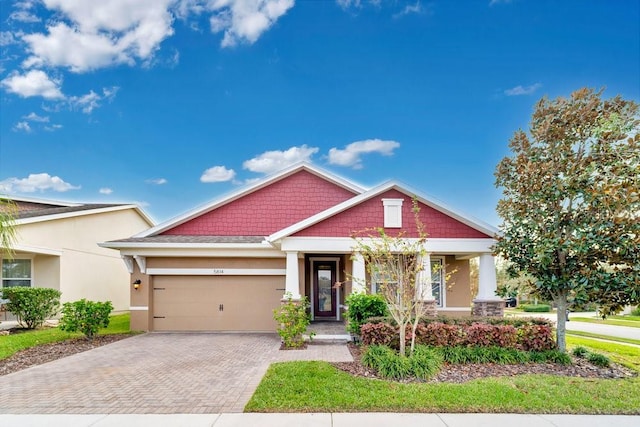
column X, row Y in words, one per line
column 35, row 182
column 90, row 101
column 494, row 2
column 100, row 34
column 23, row 16
column 244, row 21
column 217, row 174
column 105, row 190
column 271, row 161
column 523, row 90
column 53, row 128
column 156, row 181
column 33, row 83
column 22, row 127
column 350, row 155
column 416, row 8
column 36, row 118
column 6, row 38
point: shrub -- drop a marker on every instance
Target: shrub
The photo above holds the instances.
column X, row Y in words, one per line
column 293, row 319
column 599, row 359
column 636, row 311
column 32, row 306
column 362, row 307
column 85, row 316
column 423, row 364
column 481, row 334
column 580, row 352
column 536, row 308
column 377, row 333
column 440, row 334
column 535, row 338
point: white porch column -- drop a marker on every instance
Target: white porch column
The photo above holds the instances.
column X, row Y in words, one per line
column 487, row 279
column 292, row 279
column 424, row 289
column 358, row 273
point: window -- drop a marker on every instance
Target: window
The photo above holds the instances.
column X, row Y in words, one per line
column 437, row 280
column 392, row 213
column 16, row 272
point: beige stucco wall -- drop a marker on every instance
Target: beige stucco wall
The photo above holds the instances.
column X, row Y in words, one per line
column 83, row 270
column 458, row 289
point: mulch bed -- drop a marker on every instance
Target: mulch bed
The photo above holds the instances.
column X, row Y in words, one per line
column 49, row 352
column 452, row 373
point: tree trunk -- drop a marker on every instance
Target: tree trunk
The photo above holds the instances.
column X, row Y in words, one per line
column 403, row 330
column 561, row 324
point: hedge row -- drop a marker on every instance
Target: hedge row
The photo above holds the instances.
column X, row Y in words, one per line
column 527, row 337
column 470, row 320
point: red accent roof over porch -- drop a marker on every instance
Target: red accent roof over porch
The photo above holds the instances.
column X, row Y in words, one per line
column 370, row 214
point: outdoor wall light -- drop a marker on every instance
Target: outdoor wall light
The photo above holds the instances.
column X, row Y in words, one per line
column 136, row 284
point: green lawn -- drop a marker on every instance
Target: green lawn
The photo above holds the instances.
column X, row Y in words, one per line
column 629, row 321
column 11, row 344
column 603, row 337
column 319, row 387
column 625, row 355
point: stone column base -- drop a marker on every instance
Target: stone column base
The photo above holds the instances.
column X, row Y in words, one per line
column 492, row 308
column 431, row 309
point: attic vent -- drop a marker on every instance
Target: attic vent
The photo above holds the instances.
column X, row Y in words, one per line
column 392, row 213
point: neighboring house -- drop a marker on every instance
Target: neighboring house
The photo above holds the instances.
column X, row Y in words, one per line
column 57, row 247
column 225, row 266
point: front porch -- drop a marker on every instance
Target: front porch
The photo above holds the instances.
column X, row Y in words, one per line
column 329, row 331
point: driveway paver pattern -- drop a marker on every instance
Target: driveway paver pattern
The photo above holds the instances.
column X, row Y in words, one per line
column 159, row 373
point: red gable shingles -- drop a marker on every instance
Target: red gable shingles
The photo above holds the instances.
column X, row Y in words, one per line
column 268, row 209
column 370, row 214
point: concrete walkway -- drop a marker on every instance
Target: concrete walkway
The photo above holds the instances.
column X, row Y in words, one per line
column 323, row 420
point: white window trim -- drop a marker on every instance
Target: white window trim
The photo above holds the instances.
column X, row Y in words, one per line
column 443, row 283
column 17, row 257
column 389, row 206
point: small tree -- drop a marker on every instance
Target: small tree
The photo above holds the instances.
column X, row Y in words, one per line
column 293, row 319
column 85, row 316
column 32, row 306
column 396, row 263
column 571, row 202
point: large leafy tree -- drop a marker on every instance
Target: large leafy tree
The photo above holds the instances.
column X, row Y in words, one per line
column 571, row 202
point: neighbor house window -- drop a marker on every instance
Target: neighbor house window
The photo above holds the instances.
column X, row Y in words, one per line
column 437, row 280
column 16, row 272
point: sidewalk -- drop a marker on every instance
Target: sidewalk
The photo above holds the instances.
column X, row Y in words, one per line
column 323, row 420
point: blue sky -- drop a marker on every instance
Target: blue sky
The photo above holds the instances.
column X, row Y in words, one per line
column 172, row 103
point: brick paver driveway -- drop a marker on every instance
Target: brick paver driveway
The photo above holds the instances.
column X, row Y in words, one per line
column 154, row 373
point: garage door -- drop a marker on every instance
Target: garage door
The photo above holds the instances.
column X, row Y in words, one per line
column 216, row 303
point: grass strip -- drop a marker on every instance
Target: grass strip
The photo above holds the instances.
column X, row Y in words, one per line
column 11, row 344
column 622, row 354
column 319, row 387
column 603, row 337
column 612, row 322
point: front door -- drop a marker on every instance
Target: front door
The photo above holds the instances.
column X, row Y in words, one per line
column 324, row 301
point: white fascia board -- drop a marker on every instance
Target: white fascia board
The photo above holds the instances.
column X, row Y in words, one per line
column 37, row 250
column 143, row 245
column 86, row 212
column 202, row 252
column 347, row 245
column 202, row 209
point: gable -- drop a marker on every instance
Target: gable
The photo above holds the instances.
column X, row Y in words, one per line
column 370, row 214
column 268, row 209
